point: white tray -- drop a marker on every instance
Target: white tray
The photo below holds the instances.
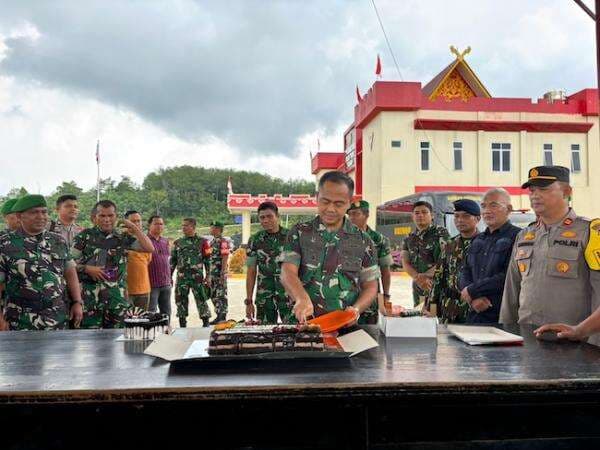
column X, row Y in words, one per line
column 483, row 335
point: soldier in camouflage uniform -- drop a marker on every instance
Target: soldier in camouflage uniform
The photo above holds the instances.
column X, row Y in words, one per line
column 264, row 269
column 10, row 217
column 36, row 268
column 444, row 299
column 100, row 253
column 190, row 256
column 359, row 214
column 328, row 263
column 219, row 256
column 12, row 224
column 421, row 250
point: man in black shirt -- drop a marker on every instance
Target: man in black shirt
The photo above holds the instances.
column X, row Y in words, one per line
column 483, row 275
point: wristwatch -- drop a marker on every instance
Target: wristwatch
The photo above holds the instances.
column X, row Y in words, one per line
column 247, row 301
column 386, row 295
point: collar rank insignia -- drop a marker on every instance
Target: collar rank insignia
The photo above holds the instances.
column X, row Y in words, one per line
column 568, row 221
column 562, row 267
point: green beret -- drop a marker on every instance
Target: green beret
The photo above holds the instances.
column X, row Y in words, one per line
column 216, row 224
column 359, row 204
column 8, row 206
column 29, row 201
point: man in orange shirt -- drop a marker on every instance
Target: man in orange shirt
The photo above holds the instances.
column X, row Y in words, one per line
column 138, row 279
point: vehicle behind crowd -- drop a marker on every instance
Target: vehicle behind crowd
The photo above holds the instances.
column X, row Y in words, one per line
column 394, row 218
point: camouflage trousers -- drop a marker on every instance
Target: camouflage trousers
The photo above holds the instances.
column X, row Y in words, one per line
column 270, row 305
column 22, row 316
column 183, row 285
column 419, row 295
column 370, row 315
column 219, row 295
column 104, row 305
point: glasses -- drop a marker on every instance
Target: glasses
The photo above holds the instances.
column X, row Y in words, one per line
column 493, row 205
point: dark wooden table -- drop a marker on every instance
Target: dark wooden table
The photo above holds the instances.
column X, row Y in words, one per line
column 63, row 389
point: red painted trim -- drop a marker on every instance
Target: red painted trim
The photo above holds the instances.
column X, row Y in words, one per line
column 358, row 163
column 481, row 125
column 512, row 190
column 405, row 96
column 323, row 160
column 293, row 201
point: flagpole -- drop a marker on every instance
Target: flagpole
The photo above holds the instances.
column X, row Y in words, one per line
column 98, row 170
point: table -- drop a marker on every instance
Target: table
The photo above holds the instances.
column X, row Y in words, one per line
column 60, row 389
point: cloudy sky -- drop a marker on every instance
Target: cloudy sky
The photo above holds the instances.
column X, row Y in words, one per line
column 244, row 84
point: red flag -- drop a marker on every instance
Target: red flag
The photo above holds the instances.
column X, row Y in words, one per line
column 378, row 67
column 358, row 97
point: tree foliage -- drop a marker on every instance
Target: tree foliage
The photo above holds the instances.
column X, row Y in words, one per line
column 184, row 191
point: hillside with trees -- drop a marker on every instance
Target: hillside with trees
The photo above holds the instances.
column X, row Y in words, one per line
column 176, row 192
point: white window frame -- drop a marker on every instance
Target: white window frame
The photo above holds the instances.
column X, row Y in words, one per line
column 426, row 147
column 503, row 147
column 547, row 149
column 457, row 146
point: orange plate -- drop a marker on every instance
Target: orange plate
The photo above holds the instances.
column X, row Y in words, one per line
column 334, row 320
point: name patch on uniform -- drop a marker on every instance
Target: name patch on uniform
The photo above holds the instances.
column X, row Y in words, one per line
column 563, row 267
column 566, row 243
column 524, row 244
column 529, row 236
column 568, row 234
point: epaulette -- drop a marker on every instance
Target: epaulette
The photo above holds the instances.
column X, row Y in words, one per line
column 592, row 250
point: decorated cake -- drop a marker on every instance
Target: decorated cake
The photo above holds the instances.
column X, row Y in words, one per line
column 230, row 338
column 146, row 325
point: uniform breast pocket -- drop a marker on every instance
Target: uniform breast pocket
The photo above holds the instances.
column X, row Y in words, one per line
column 563, row 261
column 351, row 264
column 523, row 258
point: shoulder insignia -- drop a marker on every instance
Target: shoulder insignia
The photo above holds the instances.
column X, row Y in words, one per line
column 592, row 250
column 529, row 236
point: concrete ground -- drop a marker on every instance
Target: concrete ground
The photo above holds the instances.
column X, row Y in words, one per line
column 401, row 293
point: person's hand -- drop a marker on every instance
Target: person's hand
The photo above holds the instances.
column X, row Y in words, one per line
column 425, row 312
column 3, row 323
column 428, row 284
column 250, row 311
column 303, row 309
column 562, row 330
column 96, row 273
column 130, row 226
column 76, row 314
column 465, row 296
column 356, row 312
column 423, row 281
column 481, row 304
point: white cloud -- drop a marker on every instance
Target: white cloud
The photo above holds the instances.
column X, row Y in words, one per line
column 244, row 87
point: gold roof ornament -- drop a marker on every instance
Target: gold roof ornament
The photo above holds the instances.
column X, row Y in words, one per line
column 456, row 81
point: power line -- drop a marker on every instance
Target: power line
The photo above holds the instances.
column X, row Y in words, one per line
column 387, row 40
column 402, row 79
